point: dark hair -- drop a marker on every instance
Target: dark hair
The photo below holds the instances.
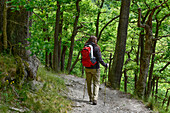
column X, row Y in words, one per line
column 92, row 39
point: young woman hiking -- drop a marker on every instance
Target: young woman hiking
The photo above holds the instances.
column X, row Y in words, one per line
column 93, row 72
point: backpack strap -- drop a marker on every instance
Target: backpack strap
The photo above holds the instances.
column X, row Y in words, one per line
column 91, row 51
column 91, row 45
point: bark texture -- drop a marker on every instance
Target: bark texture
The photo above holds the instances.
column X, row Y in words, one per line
column 148, row 50
column 56, row 34
column 5, row 45
column 18, row 30
column 118, row 59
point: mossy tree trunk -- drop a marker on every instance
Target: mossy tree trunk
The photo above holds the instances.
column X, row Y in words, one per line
column 148, row 50
column 158, row 24
column 17, row 31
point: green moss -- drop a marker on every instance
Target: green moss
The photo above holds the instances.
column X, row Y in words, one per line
column 20, row 70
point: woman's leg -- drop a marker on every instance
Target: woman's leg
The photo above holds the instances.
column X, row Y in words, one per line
column 96, row 83
column 89, row 81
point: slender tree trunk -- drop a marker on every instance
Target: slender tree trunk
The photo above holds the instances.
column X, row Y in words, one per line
column 110, row 63
column 50, row 60
column 46, row 53
column 73, row 36
column 141, row 44
column 125, row 82
column 150, row 73
column 63, row 57
column 166, row 96
column 1, row 24
column 1, row 14
column 118, row 59
column 156, row 92
column 153, row 56
column 60, row 40
column 98, row 16
column 140, row 49
column 5, row 44
column 137, row 62
column 56, row 34
column 77, row 59
column 153, row 86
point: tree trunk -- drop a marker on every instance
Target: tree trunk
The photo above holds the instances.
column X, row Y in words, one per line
column 56, row 34
column 145, row 59
column 5, row 45
column 1, row 24
column 73, row 36
column 118, row 59
column 139, row 54
column 125, row 81
column 18, row 31
column 50, row 60
column 98, row 16
column 165, row 99
column 1, row 15
column 75, row 62
column 63, row 57
column 153, row 86
column 110, row 62
column 150, row 73
column 46, row 50
column 156, row 92
column 148, row 49
column 60, row 40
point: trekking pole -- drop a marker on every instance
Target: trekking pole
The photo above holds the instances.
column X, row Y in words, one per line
column 105, row 87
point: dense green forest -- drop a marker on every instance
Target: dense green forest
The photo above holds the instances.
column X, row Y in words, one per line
column 133, row 36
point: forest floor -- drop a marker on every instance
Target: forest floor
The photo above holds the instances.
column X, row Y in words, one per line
column 113, row 102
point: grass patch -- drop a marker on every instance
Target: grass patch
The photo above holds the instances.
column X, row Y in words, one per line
column 43, row 95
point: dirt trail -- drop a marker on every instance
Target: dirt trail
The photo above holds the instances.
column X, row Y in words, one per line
column 115, row 101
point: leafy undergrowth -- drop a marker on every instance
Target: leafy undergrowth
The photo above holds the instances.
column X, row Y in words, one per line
column 42, row 95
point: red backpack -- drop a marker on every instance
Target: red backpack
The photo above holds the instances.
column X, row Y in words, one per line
column 88, row 59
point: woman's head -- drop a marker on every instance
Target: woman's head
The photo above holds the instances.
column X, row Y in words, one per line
column 92, row 39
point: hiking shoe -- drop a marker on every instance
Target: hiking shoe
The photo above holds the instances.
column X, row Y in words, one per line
column 95, row 102
column 90, row 100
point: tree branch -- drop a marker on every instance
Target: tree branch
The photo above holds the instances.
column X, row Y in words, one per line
column 164, row 67
column 139, row 18
column 161, row 37
column 38, row 16
column 106, row 26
